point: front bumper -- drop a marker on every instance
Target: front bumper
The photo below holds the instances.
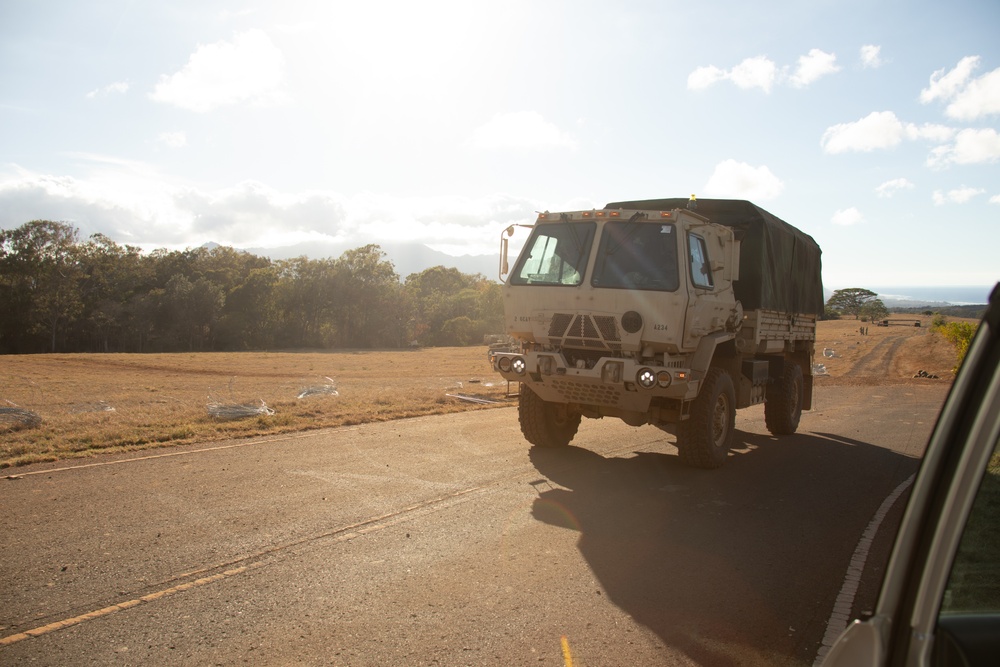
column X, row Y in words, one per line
column 611, row 383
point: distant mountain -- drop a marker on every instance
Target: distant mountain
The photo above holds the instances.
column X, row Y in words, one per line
column 408, row 258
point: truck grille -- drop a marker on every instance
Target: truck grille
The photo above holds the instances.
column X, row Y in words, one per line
column 591, row 394
column 585, row 331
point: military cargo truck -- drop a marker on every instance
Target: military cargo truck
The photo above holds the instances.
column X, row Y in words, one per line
column 670, row 312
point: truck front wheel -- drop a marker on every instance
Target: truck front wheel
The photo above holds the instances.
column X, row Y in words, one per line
column 704, row 440
column 783, row 403
column 543, row 423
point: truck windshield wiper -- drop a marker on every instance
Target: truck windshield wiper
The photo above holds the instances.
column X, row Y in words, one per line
column 581, row 245
column 631, row 227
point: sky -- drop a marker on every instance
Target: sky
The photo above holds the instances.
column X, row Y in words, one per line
column 873, row 126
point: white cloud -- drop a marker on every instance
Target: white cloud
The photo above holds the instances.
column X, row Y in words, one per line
column 847, row 217
column 929, row 132
column 122, row 199
column 172, row 139
column 889, row 188
column 957, row 196
column 995, row 199
column 812, row 66
column 742, row 181
column 877, row 130
column 248, row 69
column 945, row 85
column 980, row 98
column 120, row 87
column 703, row 77
column 968, row 98
column 520, row 130
column 251, row 213
column 970, row 147
column 758, row 72
column 132, row 204
column 762, row 72
column 871, row 56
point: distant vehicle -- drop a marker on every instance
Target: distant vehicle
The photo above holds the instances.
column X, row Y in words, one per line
column 899, row 322
column 940, row 599
column 671, row 312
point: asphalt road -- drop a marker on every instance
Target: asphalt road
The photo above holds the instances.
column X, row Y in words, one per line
column 446, row 541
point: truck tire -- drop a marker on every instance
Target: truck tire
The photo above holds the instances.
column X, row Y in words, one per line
column 543, row 423
column 704, row 440
column 783, row 402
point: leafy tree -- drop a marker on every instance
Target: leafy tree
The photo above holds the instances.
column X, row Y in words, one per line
column 443, row 296
column 110, row 276
column 306, row 297
column 460, row 331
column 193, row 309
column 39, row 272
column 368, row 290
column 874, row 310
column 850, row 301
column 250, row 316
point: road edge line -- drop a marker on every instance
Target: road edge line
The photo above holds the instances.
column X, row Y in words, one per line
column 840, row 617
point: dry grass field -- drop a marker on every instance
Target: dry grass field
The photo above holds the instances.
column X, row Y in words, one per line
column 91, row 403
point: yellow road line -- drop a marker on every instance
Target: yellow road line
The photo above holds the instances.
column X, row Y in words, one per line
column 89, row 616
column 567, row 658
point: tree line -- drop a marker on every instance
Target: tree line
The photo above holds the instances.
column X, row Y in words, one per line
column 61, row 294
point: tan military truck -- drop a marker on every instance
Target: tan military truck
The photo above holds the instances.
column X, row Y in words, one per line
column 671, row 312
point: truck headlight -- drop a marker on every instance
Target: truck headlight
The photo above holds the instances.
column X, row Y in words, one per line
column 646, row 378
column 518, row 366
column 504, row 364
column 663, row 379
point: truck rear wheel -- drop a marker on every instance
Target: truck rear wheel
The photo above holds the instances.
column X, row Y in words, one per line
column 783, row 403
column 704, row 440
column 543, row 423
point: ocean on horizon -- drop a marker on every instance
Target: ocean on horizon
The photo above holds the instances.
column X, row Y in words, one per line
column 954, row 295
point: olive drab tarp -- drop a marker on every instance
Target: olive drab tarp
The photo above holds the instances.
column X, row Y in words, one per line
column 780, row 267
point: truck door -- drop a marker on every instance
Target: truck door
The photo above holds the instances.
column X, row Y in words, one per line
column 708, row 303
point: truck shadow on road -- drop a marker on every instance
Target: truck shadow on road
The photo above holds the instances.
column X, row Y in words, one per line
column 732, row 566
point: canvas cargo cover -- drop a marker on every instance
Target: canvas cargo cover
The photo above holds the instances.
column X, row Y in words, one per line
column 780, row 265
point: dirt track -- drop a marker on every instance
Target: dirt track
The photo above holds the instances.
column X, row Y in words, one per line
column 878, row 360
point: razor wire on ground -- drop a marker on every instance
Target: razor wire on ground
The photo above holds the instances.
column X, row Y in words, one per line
column 17, row 417
column 233, row 410
column 238, row 411
column 327, row 389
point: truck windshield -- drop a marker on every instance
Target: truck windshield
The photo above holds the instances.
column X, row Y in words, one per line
column 555, row 254
column 637, row 255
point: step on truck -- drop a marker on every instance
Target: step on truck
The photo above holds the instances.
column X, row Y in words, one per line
column 670, row 312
